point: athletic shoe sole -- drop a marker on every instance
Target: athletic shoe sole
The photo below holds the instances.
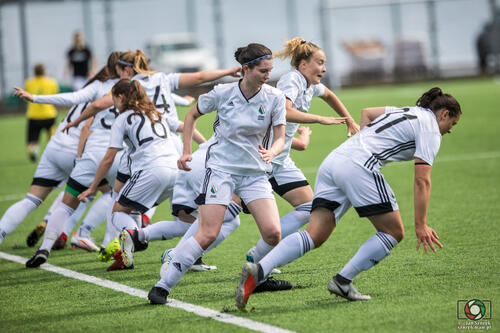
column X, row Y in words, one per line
column 246, row 286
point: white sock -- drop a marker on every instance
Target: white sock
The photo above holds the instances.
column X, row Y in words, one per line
column 55, row 225
column 54, row 205
column 137, row 217
column 294, row 220
column 16, row 214
column 76, row 216
column 151, row 212
column 123, row 221
column 164, row 230
column 96, row 215
column 370, row 253
column 289, row 249
column 111, row 231
column 183, row 258
column 261, row 249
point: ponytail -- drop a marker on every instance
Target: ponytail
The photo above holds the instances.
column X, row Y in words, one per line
column 137, row 60
column 108, row 71
column 435, row 100
column 297, row 49
column 135, row 98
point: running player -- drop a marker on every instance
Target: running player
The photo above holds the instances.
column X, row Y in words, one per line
column 151, row 152
column 300, row 86
column 237, row 162
column 58, row 158
column 350, row 176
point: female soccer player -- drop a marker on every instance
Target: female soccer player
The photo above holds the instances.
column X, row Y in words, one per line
column 237, row 162
column 152, row 154
column 300, row 86
column 350, row 176
column 134, row 65
column 58, row 159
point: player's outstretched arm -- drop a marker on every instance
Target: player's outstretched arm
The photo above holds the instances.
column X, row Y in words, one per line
column 335, row 103
column 90, row 111
column 84, row 135
column 189, row 127
column 23, row 94
column 422, row 192
column 295, row 116
column 278, row 144
column 193, row 79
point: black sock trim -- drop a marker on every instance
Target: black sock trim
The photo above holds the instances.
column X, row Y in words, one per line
column 342, row 279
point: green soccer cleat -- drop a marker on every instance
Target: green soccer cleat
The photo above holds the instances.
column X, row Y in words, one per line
column 107, row 253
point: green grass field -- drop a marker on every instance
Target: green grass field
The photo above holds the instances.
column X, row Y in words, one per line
column 411, row 291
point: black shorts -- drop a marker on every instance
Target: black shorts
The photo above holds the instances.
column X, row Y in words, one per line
column 35, row 126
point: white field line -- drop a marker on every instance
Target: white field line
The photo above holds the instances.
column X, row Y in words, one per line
column 450, row 158
column 12, row 197
column 197, row 310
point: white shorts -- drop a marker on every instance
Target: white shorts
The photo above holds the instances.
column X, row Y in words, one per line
column 54, row 167
column 286, row 177
column 340, row 183
column 85, row 169
column 147, row 188
column 218, row 188
column 123, row 173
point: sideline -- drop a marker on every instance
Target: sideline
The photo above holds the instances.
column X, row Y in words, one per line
column 197, row 310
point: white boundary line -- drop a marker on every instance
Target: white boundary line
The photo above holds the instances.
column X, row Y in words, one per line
column 197, row 310
column 12, row 197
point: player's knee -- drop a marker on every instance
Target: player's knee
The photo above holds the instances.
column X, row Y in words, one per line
column 272, row 237
column 397, row 233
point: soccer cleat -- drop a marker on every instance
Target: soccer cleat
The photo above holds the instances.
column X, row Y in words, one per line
column 166, row 257
column 118, row 263
column 60, row 242
column 145, row 220
column 346, row 291
column 83, row 243
column 250, row 254
column 200, row 266
column 271, row 284
column 35, row 235
column 248, row 282
column 105, row 254
column 157, row 295
column 39, row 258
column 129, row 243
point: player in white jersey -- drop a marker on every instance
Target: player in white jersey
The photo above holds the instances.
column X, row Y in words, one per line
column 247, row 112
column 134, row 65
column 300, row 86
column 350, row 176
column 151, row 151
column 59, row 156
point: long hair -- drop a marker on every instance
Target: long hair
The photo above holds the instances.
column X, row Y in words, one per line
column 135, row 98
column 137, row 60
column 107, row 72
column 297, row 49
column 436, row 100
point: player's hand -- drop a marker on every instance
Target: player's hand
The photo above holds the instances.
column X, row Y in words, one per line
column 332, row 120
column 23, row 94
column 427, row 236
column 304, row 130
column 352, row 127
column 182, row 162
column 235, row 71
column 69, row 125
column 190, row 99
column 266, row 155
column 88, row 192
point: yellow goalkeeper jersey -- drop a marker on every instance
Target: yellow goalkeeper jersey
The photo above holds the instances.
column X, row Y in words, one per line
column 41, row 85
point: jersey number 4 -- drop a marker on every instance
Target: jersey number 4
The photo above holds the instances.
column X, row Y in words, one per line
column 154, row 125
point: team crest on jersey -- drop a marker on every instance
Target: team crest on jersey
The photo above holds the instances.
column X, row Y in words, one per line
column 261, row 113
column 213, row 190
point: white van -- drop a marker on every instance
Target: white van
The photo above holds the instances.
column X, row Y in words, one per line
column 178, row 53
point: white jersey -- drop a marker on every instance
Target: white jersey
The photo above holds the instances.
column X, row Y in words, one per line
column 400, row 134
column 294, row 86
column 159, row 87
column 149, row 143
column 241, row 125
column 68, row 142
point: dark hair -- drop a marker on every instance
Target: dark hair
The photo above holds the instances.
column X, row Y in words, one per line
column 39, row 69
column 108, row 71
column 135, row 98
column 435, row 100
column 251, row 52
column 297, row 49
